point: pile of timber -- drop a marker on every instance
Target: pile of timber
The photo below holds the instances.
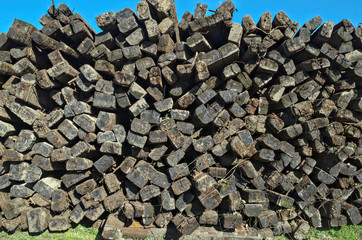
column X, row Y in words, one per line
column 160, row 123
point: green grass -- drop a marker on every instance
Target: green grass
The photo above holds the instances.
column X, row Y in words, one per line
column 78, row 233
column 349, row 232
column 84, row 233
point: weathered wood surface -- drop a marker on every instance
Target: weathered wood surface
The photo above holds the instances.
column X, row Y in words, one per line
column 156, row 122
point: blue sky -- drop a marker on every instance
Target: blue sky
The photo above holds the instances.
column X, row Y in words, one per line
column 300, row 11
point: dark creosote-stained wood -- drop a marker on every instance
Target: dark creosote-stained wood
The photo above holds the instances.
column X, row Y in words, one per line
column 179, row 123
